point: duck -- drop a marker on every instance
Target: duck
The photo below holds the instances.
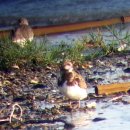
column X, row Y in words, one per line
column 22, row 33
column 72, row 84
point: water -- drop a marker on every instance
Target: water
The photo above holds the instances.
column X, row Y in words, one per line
column 53, row 12
column 117, row 117
column 114, row 112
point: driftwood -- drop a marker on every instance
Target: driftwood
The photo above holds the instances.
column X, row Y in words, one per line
column 112, row 88
column 40, row 31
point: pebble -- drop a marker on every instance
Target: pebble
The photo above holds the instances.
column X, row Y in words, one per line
column 126, row 99
column 91, row 104
column 127, row 70
column 97, row 119
column 39, row 86
column 120, row 64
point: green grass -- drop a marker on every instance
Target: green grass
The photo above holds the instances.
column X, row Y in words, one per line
column 45, row 54
column 11, row 53
column 41, row 54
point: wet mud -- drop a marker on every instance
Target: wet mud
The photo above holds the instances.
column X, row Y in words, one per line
column 36, row 91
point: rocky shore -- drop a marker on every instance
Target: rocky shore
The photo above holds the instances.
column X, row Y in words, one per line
column 35, row 90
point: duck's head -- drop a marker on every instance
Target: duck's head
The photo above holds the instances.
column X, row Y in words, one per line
column 23, row 21
column 68, row 66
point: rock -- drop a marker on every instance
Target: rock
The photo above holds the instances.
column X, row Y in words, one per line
column 122, row 47
column 15, row 66
column 127, row 70
column 91, row 105
column 1, row 84
column 69, row 126
column 120, row 64
column 91, row 80
column 100, row 72
column 34, row 81
column 97, row 119
column 126, row 99
column 39, row 86
column 87, row 65
column 19, row 99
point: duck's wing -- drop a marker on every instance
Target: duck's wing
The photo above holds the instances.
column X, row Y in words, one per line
column 81, row 81
column 26, row 31
column 17, row 35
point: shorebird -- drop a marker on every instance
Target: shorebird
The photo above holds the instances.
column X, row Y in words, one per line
column 23, row 33
column 72, row 84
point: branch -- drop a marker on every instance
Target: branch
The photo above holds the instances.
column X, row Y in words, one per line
column 12, row 113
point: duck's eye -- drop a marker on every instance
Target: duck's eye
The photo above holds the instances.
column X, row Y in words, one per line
column 68, row 64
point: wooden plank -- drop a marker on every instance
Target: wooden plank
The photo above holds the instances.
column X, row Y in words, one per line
column 40, row 31
column 74, row 27
column 5, row 33
column 106, row 89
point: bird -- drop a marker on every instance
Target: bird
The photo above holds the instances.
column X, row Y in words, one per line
column 72, row 84
column 22, row 33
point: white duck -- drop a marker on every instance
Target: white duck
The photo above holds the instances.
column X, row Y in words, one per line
column 73, row 84
column 23, row 33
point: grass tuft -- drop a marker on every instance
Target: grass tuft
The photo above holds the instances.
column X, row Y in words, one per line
column 91, row 46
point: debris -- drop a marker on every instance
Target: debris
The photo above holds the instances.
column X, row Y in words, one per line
column 112, row 88
column 3, row 120
column 34, row 81
column 100, row 62
column 127, row 70
column 1, row 84
column 91, row 105
column 97, row 119
column 115, row 98
column 126, row 99
column 41, row 86
column 6, row 82
column 12, row 113
column 15, row 66
column 87, row 65
column 120, row 64
column 121, row 47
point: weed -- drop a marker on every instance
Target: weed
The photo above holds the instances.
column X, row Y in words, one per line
column 46, row 54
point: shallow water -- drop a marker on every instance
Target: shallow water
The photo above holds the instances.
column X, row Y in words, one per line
column 109, row 113
column 116, row 114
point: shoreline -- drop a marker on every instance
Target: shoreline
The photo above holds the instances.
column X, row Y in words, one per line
column 45, row 30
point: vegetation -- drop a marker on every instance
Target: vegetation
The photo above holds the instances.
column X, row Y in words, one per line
column 89, row 47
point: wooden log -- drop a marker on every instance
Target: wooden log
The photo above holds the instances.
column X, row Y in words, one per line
column 5, row 33
column 40, row 31
column 74, row 27
column 107, row 89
